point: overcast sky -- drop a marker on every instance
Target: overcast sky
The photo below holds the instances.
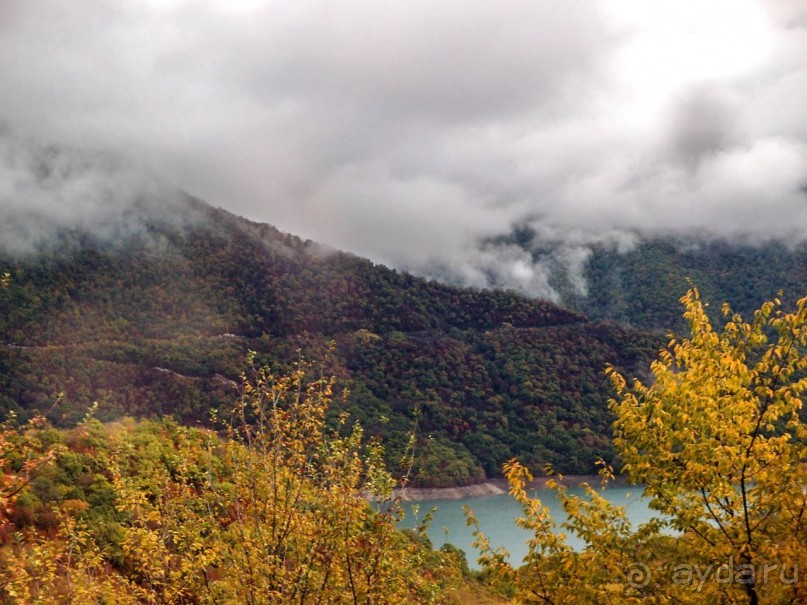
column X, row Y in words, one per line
column 411, row 131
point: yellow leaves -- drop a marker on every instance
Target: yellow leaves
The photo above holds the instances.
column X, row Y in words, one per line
column 616, row 378
column 281, row 514
column 716, row 438
column 284, row 511
column 729, row 412
column 21, row 456
column 66, row 568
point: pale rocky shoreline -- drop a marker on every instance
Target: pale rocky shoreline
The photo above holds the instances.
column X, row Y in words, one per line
column 491, row 487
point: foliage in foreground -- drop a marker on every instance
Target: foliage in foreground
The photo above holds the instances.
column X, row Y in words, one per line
column 717, row 440
column 280, row 510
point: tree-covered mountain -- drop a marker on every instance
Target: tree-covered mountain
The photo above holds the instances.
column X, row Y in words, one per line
column 638, row 279
column 642, row 286
column 158, row 320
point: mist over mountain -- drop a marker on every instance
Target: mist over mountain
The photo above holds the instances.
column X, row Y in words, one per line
column 147, row 329
column 146, row 301
column 633, row 277
column 49, row 193
column 637, row 278
column 417, row 136
column 127, row 292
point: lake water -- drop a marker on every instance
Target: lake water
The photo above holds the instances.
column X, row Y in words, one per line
column 497, row 515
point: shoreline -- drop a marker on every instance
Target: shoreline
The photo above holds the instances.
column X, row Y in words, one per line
column 492, row 487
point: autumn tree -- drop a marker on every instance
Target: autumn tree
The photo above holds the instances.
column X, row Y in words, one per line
column 716, row 438
column 20, row 455
column 283, row 505
column 285, row 509
column 718, row 441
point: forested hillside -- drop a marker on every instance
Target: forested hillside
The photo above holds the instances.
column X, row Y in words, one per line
column 639, row 283
column 641, row 287
column 159, row 321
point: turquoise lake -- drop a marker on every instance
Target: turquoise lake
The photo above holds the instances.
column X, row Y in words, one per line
column 497, row 515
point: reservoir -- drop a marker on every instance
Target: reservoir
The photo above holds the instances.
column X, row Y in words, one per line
column 497, row 519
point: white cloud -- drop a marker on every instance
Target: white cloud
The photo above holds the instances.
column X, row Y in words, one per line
column 411, row 132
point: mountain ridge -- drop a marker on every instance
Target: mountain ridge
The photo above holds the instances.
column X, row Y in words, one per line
column 160, row 322
column 156, row 315
column 637, row 278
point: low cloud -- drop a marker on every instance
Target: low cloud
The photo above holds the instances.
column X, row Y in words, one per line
column 47, row 192
column 421, row 134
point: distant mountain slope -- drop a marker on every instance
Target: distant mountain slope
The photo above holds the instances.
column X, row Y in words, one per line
column 158, row 320
column 638, row 279
column 641, row 287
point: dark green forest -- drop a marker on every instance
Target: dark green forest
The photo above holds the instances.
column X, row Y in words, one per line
column 640, row 286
